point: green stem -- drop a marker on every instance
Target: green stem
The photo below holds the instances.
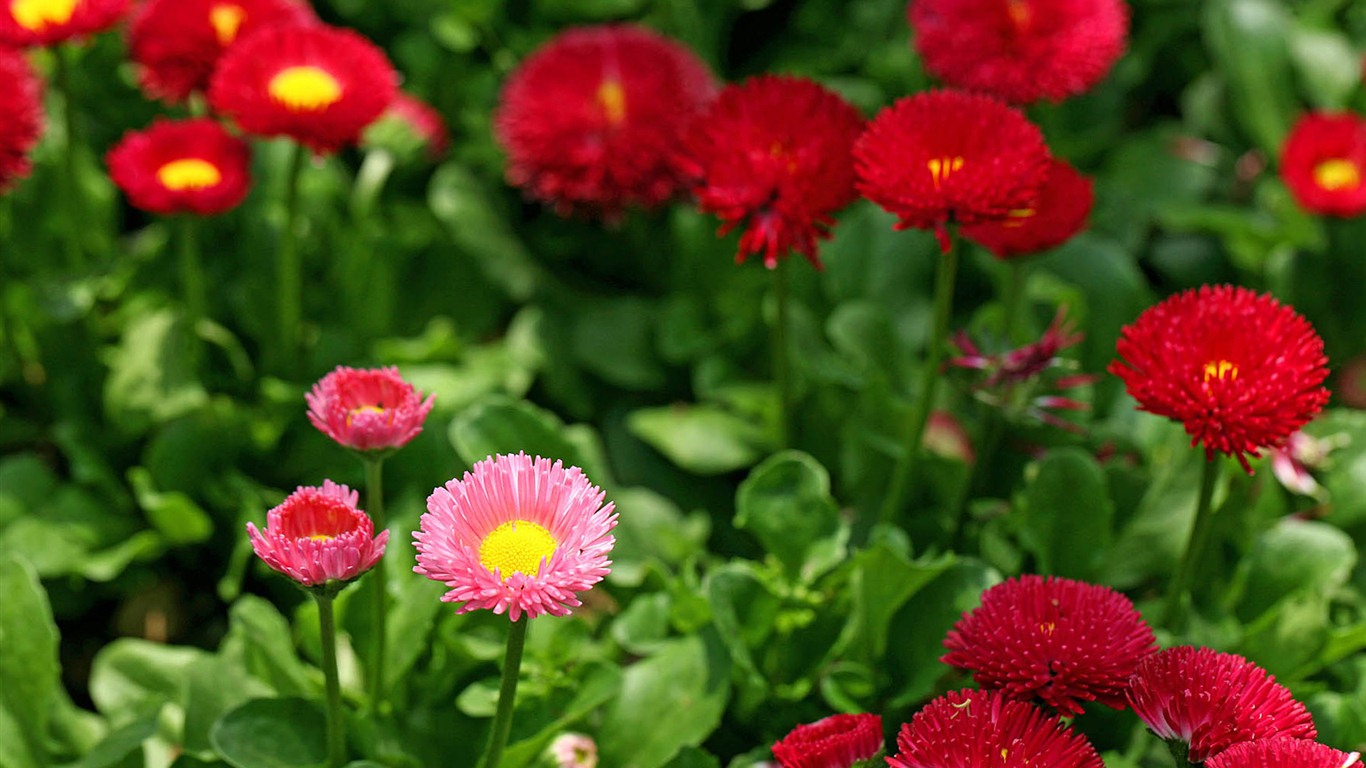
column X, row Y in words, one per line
column 1180, row 752
column 991, row 438
column 1173, row 610
column 507, row 694
column 290, row 276
column 1014, row 330
column 336, row 738
column 75, row 199
column 943, row 312
column 191, row 270
column 781, row 373
column 374, row 504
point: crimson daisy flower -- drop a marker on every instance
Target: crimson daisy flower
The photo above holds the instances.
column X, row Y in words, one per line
column 591, row 121
column 189, row 166
column 1239, row 369
column 985, row 728
column 838, row 741
column 371, row 409
column 516, row 535
column 177, row 43
column 775, row 154
column 1211, row 701
column 942, row 157
column 1058, row 215
column 318, row 85
column 1060, row 641
column 1020, row 50
column 21, row 116
column 1324, row 163
column 1283, row 753
column 25, row 23
column 318, row 537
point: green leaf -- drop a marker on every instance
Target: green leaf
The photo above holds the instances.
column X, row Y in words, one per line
column 213, row 687
column 121, row 745
column 174, row 514
column 884, row 579
column 614, row 339
column 920, row 625
column 785, row 502
column 1248, row 42
column 1328, row 65
column 259, row 640
column 497, row 425
column 459, row 200
column 702, row 439
column 30, row 678
column 1068, row 515
column 1297, row 556
column 150, row 378
column 654, row 530
column 272, row 733
column 744, row 607
column 131, row 678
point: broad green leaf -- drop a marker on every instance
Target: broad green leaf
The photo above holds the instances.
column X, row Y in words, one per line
column 272, row 733
column 614, row 339
column 122, row 748
column 884, row 579
column 213, row 687
column 150, row 380
column 1328, row 64
column 1068, row 515
column 29, row 672
column 131, row 678
column 918, row 628
column 1297, row 556
column 785, row 502
column 744, row 607
column 460, row 202
column 652, row 528
column 497, row 425
column 702, row 439
column 1248, row 40
column 174, row 514
column 259, row 640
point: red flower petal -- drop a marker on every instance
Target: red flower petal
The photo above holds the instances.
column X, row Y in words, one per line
column 1060, row 213
column 21, row 116
column 984, row 728
column 188, row 166
column 838, row 741
column 1324, row 163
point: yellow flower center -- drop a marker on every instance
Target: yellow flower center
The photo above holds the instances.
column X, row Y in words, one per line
column 1018, row 217
column 1219, row 369
column 1020, row 14
column 1337, row 175
column 517, row 546
column 1047, row 627
column 305, row 89
column 354, row 412
column 942, row 167
column 226, row 19
column 612, row 100
column 35, row 15
column 188, row 173
column 321, row 537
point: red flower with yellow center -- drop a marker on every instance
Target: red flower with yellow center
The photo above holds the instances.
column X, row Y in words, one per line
column 191, row 166
column 775, row 154
column 318, row 85
column 1020, row 50
column 25, row 23
column 1060, row 213
column 1324, row 163
column 985, row 728
column 318, row 537
column 592, row 121
column 1239, row 369
column 177, row 43
column 942, row 157
column 21, row 116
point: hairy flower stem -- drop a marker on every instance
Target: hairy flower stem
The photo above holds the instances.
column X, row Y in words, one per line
column 290, row 265
column 507, row 694
column 1014, row 331
column 781, row 365
column 374, row 505
column 191, row 271
column 77, row 221
column 336, row 738
column 1178, row 592
column 929, row 381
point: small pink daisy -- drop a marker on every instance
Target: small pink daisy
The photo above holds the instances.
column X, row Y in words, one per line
column 367, row 409
column 516, row 534
column 317, row 536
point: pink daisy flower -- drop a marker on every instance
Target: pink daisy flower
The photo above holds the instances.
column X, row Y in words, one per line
column 317, row 536
column 371, row 409
column 516, row 534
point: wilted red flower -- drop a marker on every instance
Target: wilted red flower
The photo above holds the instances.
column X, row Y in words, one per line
column 1060, row 641
column 1324, row 163
column 1241, row 370
column 838, row 741
column 942, row 157
column 1058, row 215
column 981, row 728
column 317, row 536
column 1211, row 701
column 189, row 166
column 372, row 409
column 410, row 123
column 21, row 116
column 1020, row 50
column 318, row 85
column 177, row 43
column 25, row 23
column 592, row 120
column 1283, row 753
column 774, row 154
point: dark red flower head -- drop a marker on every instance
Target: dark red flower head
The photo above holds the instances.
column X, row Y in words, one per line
column 177, row 43
column 985, row 728
column 21, row 116
column 775, row 154
column 1283, row 753
column 1020, row 50
column 318, row 85
column 838, row 741
column 1058, row 215
column 25, row 23
column 1060, row 641
column 1241, row 370
column 1324, row 163
column 943, row 157
column 190, row 166
column 592, row 121
column 1211, row 701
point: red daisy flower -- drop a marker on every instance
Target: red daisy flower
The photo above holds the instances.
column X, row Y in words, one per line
column 838, row 741
column 1062, row 641
column 318, row 85
column 1241, row 370
column 1211, row 701
column 1324, row 163
column 25, row 23
column 189, row 166
column 21, row 116
column 775, row 154
column 985, row 728
column 318, row 537
column 1020, row 50
column 409, row 123
column 592, row 120
column 1058, row 215
column 1283, row 753
column 177, row 43
column 946, row 156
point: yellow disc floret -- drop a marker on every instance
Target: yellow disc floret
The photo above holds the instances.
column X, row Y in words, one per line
column 1220, row 369
column 1337, row 175
column 517, row 546
column 35, row 15
column 189, row 173
column 305, row 89
column 942, row 167
column 612, row 101
column 226, row 19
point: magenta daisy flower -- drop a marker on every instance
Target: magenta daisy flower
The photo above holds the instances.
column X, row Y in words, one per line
column 367, row 409
column 516, row 534
column 1283, row 753
column 317, row 536
column 977, row 729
